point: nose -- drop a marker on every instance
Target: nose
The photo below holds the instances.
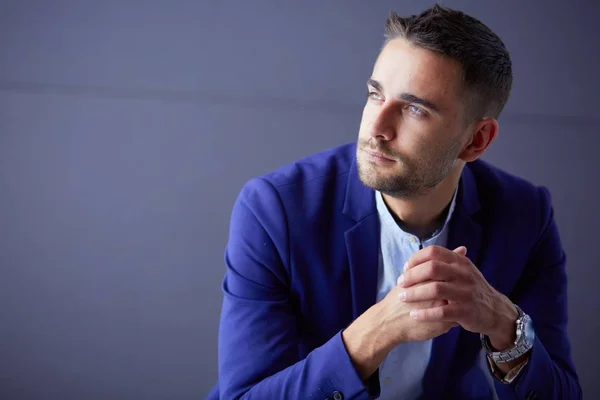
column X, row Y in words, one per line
column 385, row 122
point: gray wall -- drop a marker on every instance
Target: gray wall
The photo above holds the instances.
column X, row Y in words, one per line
column 128, row 127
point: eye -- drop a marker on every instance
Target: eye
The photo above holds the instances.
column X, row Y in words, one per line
column 374, row 95
column 419, row 112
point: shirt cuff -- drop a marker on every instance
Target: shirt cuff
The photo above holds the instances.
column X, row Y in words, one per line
column 511, row 375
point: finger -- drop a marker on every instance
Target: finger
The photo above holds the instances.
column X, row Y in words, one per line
column 462, row 250
column 432, row 270
column 450, row 312
column 432, row 291
column 430, row 253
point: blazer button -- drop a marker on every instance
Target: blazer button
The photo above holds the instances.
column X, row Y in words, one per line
column 531, row 395
column 338, row 396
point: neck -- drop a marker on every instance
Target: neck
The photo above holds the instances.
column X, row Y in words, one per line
column 423, row 213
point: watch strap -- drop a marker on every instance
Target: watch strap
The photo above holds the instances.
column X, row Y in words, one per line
column 521, row 345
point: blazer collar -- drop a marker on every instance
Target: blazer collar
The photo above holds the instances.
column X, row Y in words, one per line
column 359, row 200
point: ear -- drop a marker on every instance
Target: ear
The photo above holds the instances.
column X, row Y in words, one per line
column 483, row 132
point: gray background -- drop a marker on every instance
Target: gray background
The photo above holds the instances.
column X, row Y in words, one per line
column 127, row 129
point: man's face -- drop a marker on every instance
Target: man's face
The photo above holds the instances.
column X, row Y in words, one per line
column 412, row 128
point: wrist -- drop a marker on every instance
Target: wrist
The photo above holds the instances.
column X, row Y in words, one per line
column 367, row 342
column 508, row 351
column 504, row 334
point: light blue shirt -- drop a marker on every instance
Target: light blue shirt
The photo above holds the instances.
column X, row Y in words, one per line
column 403, row 369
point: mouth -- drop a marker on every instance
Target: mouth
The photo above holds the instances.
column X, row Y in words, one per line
column 378, row 156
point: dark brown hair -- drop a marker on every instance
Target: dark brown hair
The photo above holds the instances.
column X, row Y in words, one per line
column 486, row 65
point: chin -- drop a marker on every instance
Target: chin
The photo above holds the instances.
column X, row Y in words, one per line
column 371, row 177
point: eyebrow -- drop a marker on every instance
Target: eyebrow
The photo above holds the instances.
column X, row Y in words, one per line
column 409, row 97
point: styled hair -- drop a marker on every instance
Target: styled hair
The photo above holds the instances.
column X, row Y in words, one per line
column 485, row 62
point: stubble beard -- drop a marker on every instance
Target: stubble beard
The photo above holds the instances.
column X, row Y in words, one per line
column 409, row 179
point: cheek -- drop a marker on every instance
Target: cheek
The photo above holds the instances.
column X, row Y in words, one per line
column 424, row 149
column 431, row 152
column 412, row 138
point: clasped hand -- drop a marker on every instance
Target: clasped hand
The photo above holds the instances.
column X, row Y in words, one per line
column 462, row 294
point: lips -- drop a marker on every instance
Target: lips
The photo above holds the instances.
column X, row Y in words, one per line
column 378, row 155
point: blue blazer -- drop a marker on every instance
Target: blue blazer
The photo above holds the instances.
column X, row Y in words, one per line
column 302, row 261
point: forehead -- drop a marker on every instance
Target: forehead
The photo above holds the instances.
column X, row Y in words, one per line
column 405, row 68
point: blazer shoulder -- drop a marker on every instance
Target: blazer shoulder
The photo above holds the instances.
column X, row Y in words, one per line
column 510, row 194
column 308, row 186
column 324, row 165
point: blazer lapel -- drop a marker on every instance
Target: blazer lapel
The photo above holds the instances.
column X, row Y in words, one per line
column 362, row 242
column 464, row 230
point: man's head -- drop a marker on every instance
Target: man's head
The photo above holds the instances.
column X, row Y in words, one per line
column 436, row 91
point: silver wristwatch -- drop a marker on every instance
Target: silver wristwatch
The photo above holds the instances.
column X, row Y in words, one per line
column 523, row 342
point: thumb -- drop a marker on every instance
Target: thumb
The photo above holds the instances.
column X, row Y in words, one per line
column 462, row 250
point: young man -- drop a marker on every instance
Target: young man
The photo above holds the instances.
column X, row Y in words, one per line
column 402, row 266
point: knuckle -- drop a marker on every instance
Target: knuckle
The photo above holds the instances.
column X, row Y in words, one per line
column 433, row 268
column 470, row 279
column 433, row 250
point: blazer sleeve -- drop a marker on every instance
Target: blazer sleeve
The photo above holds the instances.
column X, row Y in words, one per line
column 258, row 355
column 542, row 293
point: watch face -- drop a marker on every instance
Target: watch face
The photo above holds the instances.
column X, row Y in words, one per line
column 528, row 332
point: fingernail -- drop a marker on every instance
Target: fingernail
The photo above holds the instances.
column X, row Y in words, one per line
column 402, row 295
column 414, row 314
column 400, row 279
column 405, row 265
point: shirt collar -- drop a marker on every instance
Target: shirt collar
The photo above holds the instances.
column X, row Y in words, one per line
column 386, row 216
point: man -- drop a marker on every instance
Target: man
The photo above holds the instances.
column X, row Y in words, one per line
column 401, row 267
